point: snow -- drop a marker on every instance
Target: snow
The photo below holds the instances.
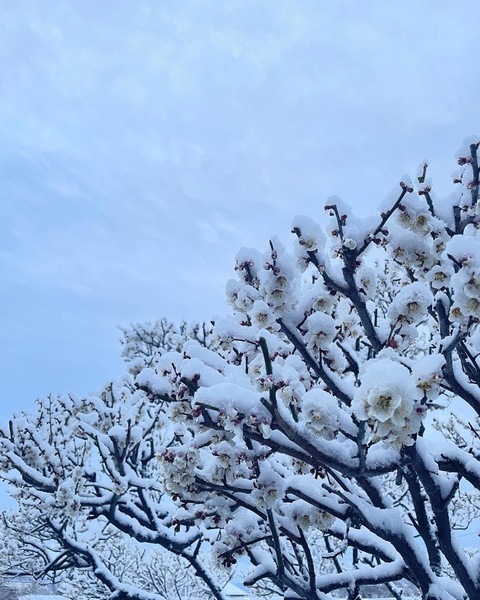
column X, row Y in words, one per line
column 411, row 302
column 311, row 237
column 149, row 379
column 228, row 396
column 42, row 597
column 385, row 399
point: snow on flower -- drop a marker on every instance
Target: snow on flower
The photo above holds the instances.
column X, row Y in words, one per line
column 248, row 261
column 316, row 297
column 366, row 280
column 234, row 537
column 320, row 413
column 234, row 405
column 311, row 241
column 240, row 296
column 262, row 315
column 310, row 236
column 427, row 374
column 268, row 487
column 320, row 330
column 439, row 276
column 385, row 399
column 411, row 303
column 278, row 279
column 464, row 253
column 464, row 250
column 306, row 516
column 178, row 469
column 156, row 384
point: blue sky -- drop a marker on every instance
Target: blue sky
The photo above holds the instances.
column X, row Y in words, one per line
column 143, row 143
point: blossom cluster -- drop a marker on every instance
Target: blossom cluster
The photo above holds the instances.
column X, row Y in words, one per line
column 385, row 399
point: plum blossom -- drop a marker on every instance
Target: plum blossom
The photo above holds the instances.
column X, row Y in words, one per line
column 307, row 516
column 385, row 398
column 411, row 303
column 439, row 276
column 262, row 315
column 320, row 413
column 320, row 330
column 310, row 235
column 268, row 488
column 366, row 279
column 428, row 375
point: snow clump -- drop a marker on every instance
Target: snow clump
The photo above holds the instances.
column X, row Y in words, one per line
column 385, row 401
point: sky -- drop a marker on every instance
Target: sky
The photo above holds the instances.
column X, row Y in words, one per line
column 143, row 143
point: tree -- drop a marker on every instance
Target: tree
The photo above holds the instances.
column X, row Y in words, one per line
column 329, row 437
column 31, row 553
column 144, row 343
column 161, row 572
column 63, row 530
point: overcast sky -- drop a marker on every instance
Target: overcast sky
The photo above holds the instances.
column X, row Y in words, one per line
column 143, row 143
